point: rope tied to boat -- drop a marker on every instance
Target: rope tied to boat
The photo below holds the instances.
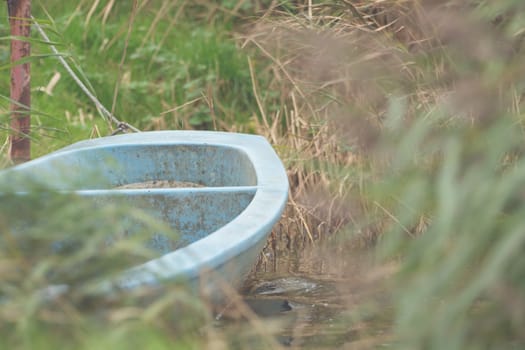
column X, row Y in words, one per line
column 121, row 127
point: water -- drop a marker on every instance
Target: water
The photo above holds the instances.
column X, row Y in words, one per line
column 314, row 296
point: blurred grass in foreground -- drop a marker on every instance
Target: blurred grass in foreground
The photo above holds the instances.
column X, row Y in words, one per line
column 412, row 127
column 55, row 252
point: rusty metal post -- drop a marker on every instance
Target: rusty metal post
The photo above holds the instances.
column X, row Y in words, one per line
column 20, row 23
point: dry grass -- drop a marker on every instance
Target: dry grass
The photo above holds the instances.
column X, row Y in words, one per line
column 334, row 66
column 406, row 116
column 343, row 70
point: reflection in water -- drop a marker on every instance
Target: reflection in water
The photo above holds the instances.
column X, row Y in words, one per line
column 317, row 295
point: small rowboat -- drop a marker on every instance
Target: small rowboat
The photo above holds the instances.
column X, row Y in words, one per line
column 222, row 222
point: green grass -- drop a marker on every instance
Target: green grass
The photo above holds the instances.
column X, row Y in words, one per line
column 177, row 62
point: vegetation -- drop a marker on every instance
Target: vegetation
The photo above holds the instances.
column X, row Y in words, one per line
column 400, row 123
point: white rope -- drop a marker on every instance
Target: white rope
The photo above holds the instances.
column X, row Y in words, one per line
column 121, row 126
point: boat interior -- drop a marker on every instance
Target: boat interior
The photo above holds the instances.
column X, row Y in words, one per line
column 195, row 189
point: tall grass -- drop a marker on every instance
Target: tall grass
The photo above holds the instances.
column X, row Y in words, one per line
column 414, row 109
column 55, row 256
column 177, row 74
column 400, row 123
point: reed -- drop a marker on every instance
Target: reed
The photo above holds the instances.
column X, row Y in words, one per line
column 423, row 102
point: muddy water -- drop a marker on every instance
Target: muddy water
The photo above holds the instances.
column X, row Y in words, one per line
column 317, row 296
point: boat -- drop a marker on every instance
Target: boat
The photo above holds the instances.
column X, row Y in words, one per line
column 238, row 192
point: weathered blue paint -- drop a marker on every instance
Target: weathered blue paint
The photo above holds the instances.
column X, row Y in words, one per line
column 222, row 225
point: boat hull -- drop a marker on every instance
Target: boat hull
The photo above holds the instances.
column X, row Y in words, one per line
column 222, row 224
